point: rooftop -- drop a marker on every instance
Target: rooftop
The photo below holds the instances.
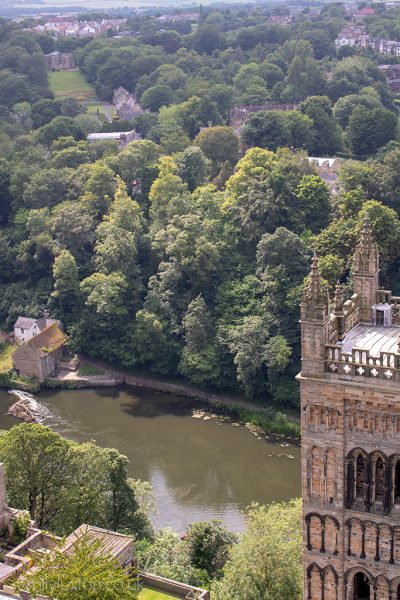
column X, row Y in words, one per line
column 27, row 322
column 375, row 338
column 114, row 135
column 48, row 340
column 111, row 542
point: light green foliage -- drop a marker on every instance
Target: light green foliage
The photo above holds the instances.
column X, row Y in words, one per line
column 21, row 525
column 63, row 484
column 36, row 469
column 209, row 544
column 6, row 351
column 218, row 144
column 181, row 253
column 157, row 96
column 261, row 192
column 246, row 343
column 65, row 296
column 119, row 237
column 88, row 573
column 105, row 294
column 314, row 202
column 385, row 225
column 266, row 564
column 370, row 129
column 277, row 353
column 193, row 167
column 165, row 193
column 169, row 557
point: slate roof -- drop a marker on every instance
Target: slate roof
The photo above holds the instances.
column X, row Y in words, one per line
column 112, row 543
column 24, row 322
column 48, row 340
column 27, row 322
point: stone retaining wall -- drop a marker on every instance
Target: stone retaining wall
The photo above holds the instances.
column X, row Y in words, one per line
column 182, row 590
column 171, row 388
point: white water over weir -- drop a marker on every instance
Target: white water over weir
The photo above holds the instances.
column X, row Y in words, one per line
column 27, row 408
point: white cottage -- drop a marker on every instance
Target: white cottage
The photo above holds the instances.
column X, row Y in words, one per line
column 26, row 328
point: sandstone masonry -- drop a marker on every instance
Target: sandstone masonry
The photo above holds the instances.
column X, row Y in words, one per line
column 350, row 407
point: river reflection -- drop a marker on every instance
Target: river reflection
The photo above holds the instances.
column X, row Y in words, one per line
column 199, row 469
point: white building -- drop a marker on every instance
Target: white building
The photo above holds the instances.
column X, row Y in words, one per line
column 26, row 328
column 122, row 137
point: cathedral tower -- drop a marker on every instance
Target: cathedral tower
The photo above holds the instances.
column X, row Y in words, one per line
column 350, row 411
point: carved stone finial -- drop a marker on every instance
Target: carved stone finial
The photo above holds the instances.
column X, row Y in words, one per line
column 338, row 299
column 366, row 255
column 315, row 293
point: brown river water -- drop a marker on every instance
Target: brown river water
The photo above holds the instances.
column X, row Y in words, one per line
column 199, row 469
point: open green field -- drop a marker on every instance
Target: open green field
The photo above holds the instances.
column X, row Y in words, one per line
column 71, row 84
column 149, row 594
column 5, row 357
column 92, row 107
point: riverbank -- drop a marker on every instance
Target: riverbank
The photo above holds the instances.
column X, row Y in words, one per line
column 201, row 461
column 97, row 373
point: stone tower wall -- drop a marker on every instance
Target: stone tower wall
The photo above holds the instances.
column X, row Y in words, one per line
column 342, row 538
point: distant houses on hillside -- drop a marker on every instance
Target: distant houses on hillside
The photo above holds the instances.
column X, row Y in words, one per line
column 72, row 27
column 280, row 20
column 392, row 76
column 356, row 35
column 125, row 104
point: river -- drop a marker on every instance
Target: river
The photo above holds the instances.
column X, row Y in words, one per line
column 199, row 469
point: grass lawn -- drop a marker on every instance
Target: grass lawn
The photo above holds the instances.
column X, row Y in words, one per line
column 5, row 357
column 87, row 369
column 150, row 594
column 70, row 84
column 93, row 107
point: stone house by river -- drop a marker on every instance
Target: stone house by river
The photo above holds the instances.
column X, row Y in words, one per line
column 39, row 356
column 25, row 327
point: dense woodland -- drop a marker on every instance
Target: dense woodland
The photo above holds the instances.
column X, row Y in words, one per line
column 183, row 254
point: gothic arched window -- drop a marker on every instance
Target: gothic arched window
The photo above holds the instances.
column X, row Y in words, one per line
column 362, row 587
column 360, row 477
column 317, row 473
column 397, row 482
column 379, row 480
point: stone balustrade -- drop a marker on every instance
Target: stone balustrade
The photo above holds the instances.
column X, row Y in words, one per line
column 358, row 363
